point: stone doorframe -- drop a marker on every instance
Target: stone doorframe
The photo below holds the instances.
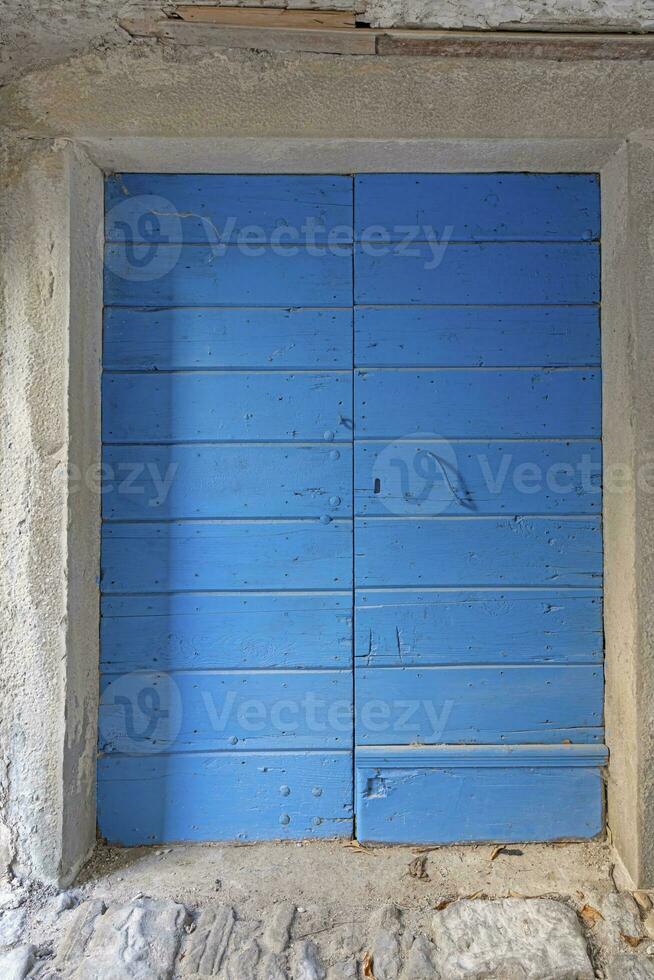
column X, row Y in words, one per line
column 51, row 213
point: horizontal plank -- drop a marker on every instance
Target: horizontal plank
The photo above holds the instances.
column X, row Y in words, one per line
column 159, row 799
column 446, row 705
column 227, row 208
column 206, row 275
column 480, row 756
column 478, row 207
column 473, row 403
column 516, row 45
column 467, row 478
column 182, row 338
column 473, row 627
column 494, row 273
column 266, row 17
column 326, row 40
column 226, row 406
column 471, row 551
column 263, row 480
column 241, row 555
column 480, row 336
column 178, row 632
column 457, row 806
column 213, row 710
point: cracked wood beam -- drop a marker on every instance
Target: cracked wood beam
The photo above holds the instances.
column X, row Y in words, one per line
column 510, row 44
column 267, row 17
column 393, row 43
column 340, row 41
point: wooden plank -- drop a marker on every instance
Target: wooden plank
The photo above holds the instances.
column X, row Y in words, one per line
column 227, row 208
column 471, row 551
column 568, row 756
column 227, row 406
column 513, row 45
column 478, row 627
column 444, row 273
column 325, row 41
column 182, row 338
column 469, row 705
column 204, row 275
column 477, row 207
column 181, row 632
column 224, row 796
column 490, row 336
column 455, row 806
column 311, row 19
column 202, row 711
column 263, row 480
column 423, row 477
column 478, row 403
column 232, row 556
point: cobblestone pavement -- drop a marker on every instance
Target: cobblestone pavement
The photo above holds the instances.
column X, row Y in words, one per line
column 78, row 935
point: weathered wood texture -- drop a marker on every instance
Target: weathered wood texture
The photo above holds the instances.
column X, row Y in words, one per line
column 232, row 631
column 183, row 338
column 227, row 504
column 477, row 207
column 479, row 336
column 320, row 40
column 298, row 414
column 223, row 208
column 502, row 626
column 478, row 592
column 514, row 45
column 265, row 17
column 509, row 797
column 555, row 47
column 203, row 796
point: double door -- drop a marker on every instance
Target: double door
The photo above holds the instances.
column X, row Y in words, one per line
column 351, row 557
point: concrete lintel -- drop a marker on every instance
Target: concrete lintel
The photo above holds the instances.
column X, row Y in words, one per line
column 280, row 155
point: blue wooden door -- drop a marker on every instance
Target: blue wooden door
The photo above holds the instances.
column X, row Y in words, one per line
column 330, row 399
column 478, row 548
column 226, row 702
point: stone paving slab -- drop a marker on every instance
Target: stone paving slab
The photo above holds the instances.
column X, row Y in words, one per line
column 512, row 938
column 467, row 939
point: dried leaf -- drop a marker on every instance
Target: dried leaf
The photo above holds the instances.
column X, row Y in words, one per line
column 367, row 967
column 442, row 904
column 590, row 915
column 632, row 940
column 508, row 851
column 643, row 900
column 418, row 869
column 354, row 845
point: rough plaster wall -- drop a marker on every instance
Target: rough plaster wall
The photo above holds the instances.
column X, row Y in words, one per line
column 571, row 15
column 154, row 91
column 48, row 536
column 39, row 32
column 34, row 295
